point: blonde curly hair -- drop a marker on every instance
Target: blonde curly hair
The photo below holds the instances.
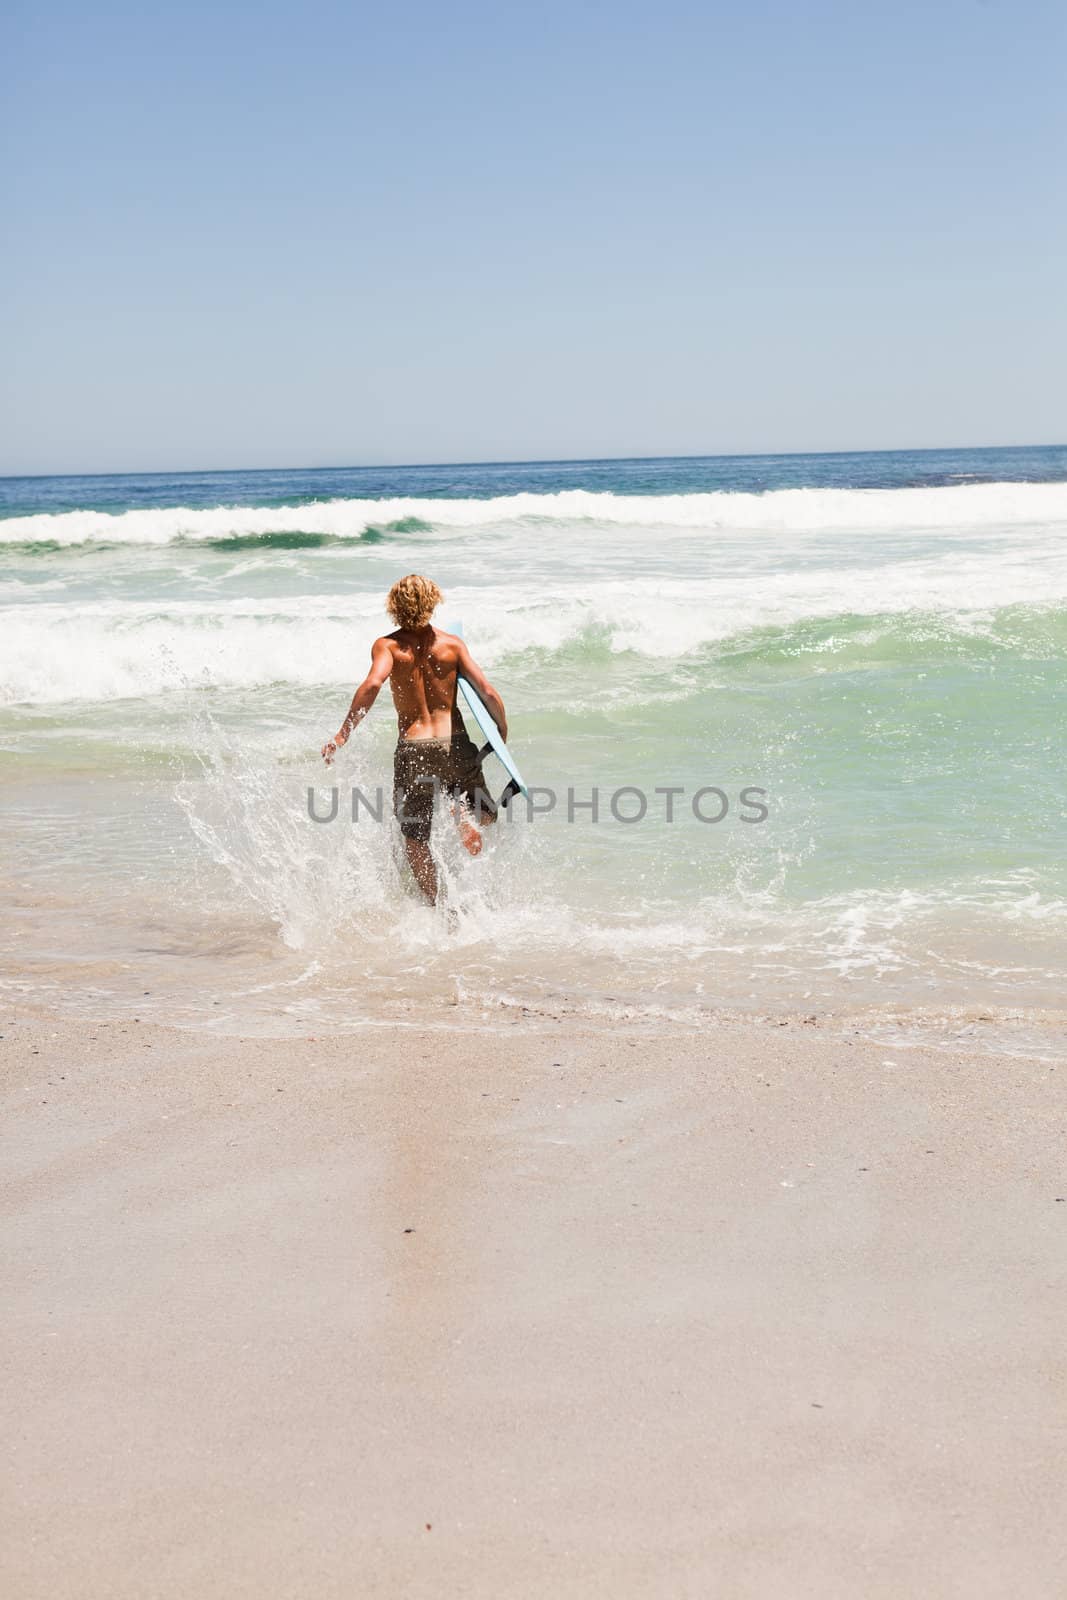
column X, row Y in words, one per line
column 412, row 601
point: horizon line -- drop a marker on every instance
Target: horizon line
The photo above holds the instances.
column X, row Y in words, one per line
column 534, row 461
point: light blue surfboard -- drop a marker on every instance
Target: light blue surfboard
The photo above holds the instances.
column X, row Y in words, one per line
column 489, row 731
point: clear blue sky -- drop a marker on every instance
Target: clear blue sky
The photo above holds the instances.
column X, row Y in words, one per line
column 332, row 233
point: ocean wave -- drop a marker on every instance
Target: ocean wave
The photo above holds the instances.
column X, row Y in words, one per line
column 779, row 510
column 51, row 654
column 287, row 539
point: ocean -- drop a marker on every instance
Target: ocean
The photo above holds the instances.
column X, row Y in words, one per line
column 871, row 647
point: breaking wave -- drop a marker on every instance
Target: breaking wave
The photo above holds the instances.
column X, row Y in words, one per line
column 779, row 510
column 51, row 654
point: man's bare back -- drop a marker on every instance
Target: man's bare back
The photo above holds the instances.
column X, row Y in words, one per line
column 426, row 664
column 422, row 666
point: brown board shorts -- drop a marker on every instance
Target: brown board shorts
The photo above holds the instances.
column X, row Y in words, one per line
column 425, row 768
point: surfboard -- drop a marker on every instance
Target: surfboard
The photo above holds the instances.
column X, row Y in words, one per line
column 494, row 744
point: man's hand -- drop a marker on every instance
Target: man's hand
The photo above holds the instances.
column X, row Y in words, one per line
column 330, row 748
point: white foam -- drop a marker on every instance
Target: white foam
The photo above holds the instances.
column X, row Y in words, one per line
column 106, row 650
column 780, row 510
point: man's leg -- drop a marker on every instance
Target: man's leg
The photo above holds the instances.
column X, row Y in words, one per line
column 421, row 863
column 472, row 806
column 414, row 792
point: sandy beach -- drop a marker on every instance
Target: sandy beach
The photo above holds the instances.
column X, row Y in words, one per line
column 767, row 1312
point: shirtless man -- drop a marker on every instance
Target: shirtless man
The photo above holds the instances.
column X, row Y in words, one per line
column 433, row 752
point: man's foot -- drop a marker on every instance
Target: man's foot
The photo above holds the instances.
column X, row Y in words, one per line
column 470, row 838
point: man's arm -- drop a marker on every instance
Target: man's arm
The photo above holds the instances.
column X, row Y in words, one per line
column 469, row 669
column 381, row 665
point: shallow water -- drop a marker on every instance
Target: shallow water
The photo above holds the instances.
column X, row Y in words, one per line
column 878, row 643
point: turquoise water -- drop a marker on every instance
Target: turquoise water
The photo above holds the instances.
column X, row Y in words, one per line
column 878, row 643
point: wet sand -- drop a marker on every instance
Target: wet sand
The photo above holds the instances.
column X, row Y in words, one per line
column 761, row 1313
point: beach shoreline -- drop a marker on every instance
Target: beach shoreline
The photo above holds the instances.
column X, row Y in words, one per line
column 875, row 642
column 764, row 1311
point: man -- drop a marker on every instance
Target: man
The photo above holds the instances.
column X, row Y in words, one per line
column 433, row 752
